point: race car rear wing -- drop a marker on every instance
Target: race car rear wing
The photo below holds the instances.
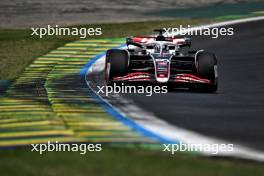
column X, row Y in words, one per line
column 139, row 40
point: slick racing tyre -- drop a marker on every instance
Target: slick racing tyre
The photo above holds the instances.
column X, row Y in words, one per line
column 116, row 64
column 206, row 65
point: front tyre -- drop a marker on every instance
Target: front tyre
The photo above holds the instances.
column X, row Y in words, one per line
column 116, row 64
column 206, row 65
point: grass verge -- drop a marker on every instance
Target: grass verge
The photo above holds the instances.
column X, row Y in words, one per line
column 119, row 161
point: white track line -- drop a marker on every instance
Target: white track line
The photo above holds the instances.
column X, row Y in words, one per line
column 165, row 130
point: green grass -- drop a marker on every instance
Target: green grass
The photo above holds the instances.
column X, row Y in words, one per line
column 18, row 48
column 118, row 161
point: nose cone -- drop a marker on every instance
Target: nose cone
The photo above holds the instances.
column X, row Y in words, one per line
column 162, row 70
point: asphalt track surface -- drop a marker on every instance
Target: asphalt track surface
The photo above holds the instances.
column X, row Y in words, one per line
column 236, row 112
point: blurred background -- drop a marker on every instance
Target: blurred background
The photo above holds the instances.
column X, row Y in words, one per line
column 19, row 13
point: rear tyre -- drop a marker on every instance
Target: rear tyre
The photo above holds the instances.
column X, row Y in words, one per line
column 116, row 64
column 206, row 65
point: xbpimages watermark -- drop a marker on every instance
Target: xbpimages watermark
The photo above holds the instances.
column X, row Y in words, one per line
column 82, row 148
column 209, row 148
column 214, row 32
column 129, row 89
column 65, row 31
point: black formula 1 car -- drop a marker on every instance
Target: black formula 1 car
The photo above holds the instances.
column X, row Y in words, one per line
column 162, row 59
